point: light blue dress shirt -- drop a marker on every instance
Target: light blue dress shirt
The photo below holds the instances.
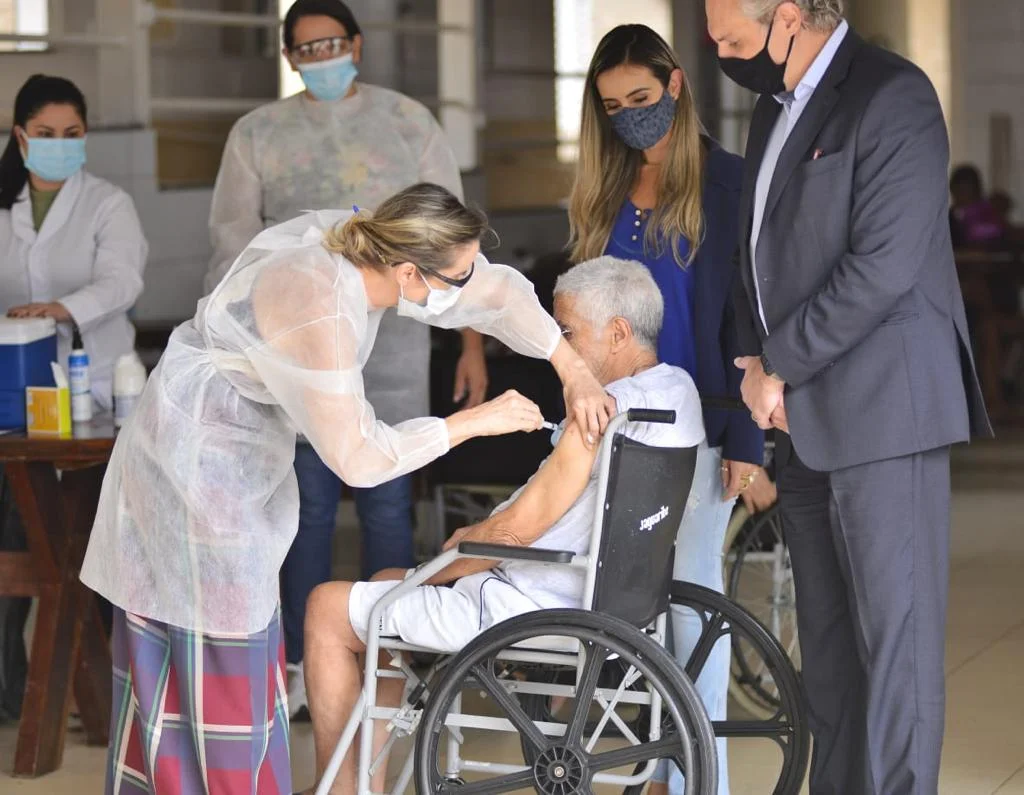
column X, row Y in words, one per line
column 793, row 105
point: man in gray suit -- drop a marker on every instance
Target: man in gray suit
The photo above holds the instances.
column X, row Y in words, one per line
column 852, row 315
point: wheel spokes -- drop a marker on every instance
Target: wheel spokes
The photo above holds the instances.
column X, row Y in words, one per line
column 491, row 786
column 666, row 747
column 484, row 673
column 596, row 657
column 714, row 630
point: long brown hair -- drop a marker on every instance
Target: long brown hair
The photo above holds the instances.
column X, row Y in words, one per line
column 608, row 169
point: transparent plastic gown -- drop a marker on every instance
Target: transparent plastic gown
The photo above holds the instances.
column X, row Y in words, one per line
column 200, row 504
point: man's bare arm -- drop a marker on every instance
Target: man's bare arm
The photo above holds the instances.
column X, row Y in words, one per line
column 550, row 493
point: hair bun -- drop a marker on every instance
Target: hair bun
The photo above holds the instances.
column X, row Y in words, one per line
column 355, row 238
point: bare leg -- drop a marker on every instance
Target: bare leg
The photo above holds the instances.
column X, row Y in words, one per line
column 333, row 677
column 333, row 670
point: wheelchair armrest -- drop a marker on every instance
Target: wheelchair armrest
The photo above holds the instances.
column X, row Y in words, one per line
column 508, row 552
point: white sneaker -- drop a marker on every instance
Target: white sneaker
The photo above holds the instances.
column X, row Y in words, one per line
column 298, row 705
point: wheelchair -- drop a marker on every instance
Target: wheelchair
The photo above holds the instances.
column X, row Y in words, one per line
column 628, row 703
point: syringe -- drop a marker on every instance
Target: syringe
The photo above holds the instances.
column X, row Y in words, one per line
column 549, row 426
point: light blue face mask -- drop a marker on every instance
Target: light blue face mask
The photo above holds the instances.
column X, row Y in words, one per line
column 329, row 80
column 55, row 159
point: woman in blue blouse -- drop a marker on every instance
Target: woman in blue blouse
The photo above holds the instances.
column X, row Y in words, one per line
column 651, row 187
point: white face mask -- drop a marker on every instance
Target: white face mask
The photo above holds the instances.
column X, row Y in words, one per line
column 438, row 302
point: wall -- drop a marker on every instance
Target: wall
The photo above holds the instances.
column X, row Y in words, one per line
column 187, row 60
column 174, row 221
column 988, row 51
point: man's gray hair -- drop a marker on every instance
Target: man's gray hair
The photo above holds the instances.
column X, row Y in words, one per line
column 607, row 287
column 822, row 16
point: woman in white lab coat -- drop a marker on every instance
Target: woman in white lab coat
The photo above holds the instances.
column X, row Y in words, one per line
column 200, row 502
column 71, row 245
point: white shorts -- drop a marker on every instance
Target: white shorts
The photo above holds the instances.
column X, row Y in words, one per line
column 438, row 617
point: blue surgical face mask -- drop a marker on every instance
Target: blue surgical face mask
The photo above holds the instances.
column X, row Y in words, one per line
column 642, row 128
column 438, row 302
column 329, row 80
column 55, row 159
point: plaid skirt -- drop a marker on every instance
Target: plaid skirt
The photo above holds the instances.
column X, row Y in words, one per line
column 197, row 714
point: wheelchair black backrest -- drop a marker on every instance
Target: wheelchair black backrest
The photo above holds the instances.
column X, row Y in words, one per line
column 648, row 488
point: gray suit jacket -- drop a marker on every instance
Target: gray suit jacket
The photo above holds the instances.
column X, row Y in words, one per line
column 856, row 271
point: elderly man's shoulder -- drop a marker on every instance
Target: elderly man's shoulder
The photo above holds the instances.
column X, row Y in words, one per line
column 668, row 388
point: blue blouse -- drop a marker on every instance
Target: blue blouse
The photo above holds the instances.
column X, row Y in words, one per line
column 676, row 343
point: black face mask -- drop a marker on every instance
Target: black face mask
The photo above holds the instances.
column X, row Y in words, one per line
column 759, row 74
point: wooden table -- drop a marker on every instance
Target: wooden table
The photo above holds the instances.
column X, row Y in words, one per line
column 69, row 650
column 981, row 274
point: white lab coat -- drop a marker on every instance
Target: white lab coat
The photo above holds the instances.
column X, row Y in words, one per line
column 89, row 254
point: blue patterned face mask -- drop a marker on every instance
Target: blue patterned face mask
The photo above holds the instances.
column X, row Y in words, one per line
column 642, row 128
column 55, row 159
column 329, row 80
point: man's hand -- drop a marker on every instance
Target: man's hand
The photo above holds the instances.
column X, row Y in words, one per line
column 54, row 309
column 761, row 392
column 779, row 419
column 471, row 371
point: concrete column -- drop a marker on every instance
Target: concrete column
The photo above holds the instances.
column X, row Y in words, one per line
column 916, row 29
column 123, row 73
column 457, row 78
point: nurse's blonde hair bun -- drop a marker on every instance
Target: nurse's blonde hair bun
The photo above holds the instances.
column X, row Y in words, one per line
column 422, row 225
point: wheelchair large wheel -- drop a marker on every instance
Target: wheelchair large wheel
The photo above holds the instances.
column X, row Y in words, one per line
column 786, row 725
column 559, row 759
column 759, row 578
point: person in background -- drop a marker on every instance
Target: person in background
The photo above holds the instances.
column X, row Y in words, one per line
column 337, row 144
column 71, row 249
column 973, row 219
column 71, row 245
column 1003, row 204
column 652, row 187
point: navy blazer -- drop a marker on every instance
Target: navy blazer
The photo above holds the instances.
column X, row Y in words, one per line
column 715, row 327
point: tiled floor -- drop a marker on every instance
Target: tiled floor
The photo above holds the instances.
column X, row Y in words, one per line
column 984, row 751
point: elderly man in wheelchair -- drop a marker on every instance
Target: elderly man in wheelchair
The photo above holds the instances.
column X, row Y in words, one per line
column 582, row 533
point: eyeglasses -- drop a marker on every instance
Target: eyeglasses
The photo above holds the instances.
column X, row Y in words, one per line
column 322, row 49
column 448, row 279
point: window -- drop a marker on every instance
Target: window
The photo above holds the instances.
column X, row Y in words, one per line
column 289, row 81
column 24, row 17
column 579, row 26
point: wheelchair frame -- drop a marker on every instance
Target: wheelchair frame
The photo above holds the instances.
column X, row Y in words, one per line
column 404, row 720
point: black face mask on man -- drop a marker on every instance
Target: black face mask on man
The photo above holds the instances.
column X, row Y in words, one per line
column 759, row 74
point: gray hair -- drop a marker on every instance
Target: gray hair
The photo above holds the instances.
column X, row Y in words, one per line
column 607, row 287
column 822, row 16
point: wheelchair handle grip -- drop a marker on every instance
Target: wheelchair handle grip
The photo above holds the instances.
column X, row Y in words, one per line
column 666, row 417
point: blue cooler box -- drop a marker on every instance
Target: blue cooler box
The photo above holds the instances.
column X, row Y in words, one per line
column 27, row 347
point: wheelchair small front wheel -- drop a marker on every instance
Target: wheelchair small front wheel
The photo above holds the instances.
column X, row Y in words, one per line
column 571, row 755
